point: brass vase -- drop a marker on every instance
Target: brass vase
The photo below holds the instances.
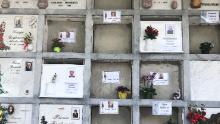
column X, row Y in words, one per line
column 5, row 4
column 42, row 4
column 147, row 4
column 196, row 3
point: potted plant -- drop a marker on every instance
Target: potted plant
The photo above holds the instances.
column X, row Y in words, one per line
column 150, row 36
column 57, row 45
column 148, row 91
column 28, row 42
column 205, row 47
column 122, row 92
column 3, row 115
column 197, row 115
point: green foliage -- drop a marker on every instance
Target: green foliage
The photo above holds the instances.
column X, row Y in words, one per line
column 57, row 43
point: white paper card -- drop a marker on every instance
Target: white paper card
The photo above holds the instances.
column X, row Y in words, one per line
column 62, row 81
column 161, row 78
column 162, row 108
column 67, row 37
column 108, row 107
column 60, row 114
column 111, row 77
column 210, row 16
column 111, row 16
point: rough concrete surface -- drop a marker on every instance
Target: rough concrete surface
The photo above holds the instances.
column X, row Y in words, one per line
column 112, row 38
column 200, row 34
column 166, row 91
column 54, row 27
column 101, row 90
column 124, row 116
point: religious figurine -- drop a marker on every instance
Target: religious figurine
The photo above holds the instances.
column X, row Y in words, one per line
column 5, row 4
column 174, row 4
column 196, row 3
column 177, row 95
column 147, row 4
column 42, row 4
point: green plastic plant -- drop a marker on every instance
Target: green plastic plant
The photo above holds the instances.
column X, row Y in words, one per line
column 57, row 43
column 148, row 90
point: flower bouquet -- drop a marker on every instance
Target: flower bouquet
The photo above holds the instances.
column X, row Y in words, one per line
column 151, row 33
column 197, row 115
column 148, row 90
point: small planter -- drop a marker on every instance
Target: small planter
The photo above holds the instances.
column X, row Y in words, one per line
column 149, row 44
column 57, row 49
column 196, row 3
column 122, row 95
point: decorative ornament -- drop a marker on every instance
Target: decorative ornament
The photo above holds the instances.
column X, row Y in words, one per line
column 54, row 78
column 42, row 4
column 177, row 95
column 2, row 91
column 2, row 31
column 196, row 4
column 11, row 109
column 3, row 115
column 174, row 4
column 5, row 4
column 43, row 120
column 28, row 42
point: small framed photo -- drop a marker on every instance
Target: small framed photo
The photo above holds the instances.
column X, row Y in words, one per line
column 170, row 30
column 75, row 113
column 68, row 37
column 18, row 22
column 28, row 66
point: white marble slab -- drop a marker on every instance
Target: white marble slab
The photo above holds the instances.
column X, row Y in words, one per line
column 60, row 114
column 165, row 43
column 62, row 81
column 22, row 114
column 16, row 26
column 204, row 80
column 15, row 80
column 163, row 5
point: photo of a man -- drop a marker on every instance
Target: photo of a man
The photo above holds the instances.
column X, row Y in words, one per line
column 28, row 66
column 18, row 22
column 75, row 113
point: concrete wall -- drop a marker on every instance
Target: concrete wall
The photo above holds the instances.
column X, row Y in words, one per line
column 124, row 117
column 147, row 117
column 199, row 34
column 113, row 4
column 112, row 38
column 54, row 27
column 101, row 90
column 164, row 92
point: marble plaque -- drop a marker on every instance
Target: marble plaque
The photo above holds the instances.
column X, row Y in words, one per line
column 163, row 5
column 66, row 4
column 169, row 39
column 22, row 3
column 20, row 113
column 16, row 77
column 204, row 80
column 13, row 30
column 60, row 114
column 210, row 5
column 62, row 81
